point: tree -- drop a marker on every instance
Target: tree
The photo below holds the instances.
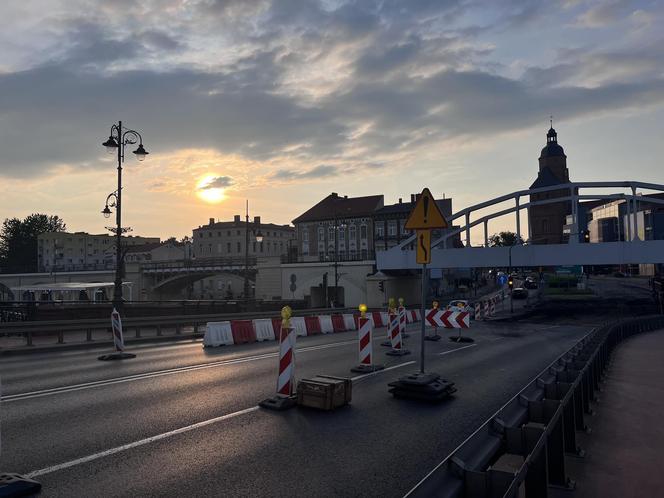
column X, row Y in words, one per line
column 18, row 240
column 504, row 239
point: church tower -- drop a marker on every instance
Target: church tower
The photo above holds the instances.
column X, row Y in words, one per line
column 547, row 220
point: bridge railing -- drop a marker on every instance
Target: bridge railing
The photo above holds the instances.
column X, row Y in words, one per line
column 58, row 328
column 198, row 264
column 525, row 442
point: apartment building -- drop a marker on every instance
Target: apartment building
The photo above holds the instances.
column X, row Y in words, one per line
column 63, row 251
column 227, row 239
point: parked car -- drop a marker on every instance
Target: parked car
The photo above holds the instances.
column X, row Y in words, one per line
column 458, row 305
column 519, row 293
column 530, row 283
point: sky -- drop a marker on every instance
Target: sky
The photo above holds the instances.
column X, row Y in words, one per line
column 283, row 102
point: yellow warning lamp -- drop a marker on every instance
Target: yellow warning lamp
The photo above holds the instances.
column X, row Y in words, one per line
column 510, row 282
column 435, row 305
column 401, row 301
column 391, row 304
column 286, row 313
column 363, row 310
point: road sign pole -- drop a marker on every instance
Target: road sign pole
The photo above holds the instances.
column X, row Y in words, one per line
column 424, row 296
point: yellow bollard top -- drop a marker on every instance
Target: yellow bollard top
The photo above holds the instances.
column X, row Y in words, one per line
column 391, row 305
column 435, row 305
column 363, row 310
column 286, row 313
column 401, row 301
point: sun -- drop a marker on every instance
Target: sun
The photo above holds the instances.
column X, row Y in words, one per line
column 212, row 195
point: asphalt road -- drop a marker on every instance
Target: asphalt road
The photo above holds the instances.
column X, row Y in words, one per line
column 182, row 421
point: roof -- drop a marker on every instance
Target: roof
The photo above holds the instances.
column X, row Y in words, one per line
column 552, row 149
column 241, row 224
column 143, row 247
column 546, row 178
column 445, row 206
column 341, row 207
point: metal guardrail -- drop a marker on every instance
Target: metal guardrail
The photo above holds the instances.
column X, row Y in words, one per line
column 522, row 447
column 29, row 330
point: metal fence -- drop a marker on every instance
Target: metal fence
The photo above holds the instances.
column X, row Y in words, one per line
column 521, row 449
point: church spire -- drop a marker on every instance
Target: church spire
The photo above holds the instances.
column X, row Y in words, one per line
column 551, row 136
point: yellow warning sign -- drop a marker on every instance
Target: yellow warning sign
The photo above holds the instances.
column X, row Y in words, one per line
column 423, row 245
column 425, row 215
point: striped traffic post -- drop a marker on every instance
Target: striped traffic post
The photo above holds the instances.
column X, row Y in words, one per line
column 478, row 310
column 396, row 340
column 391, row 309
column 402, row 319
column 284, row 398
column 118, row 340
column 365, row 344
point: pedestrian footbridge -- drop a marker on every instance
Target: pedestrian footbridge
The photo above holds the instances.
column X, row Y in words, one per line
column 631, row 251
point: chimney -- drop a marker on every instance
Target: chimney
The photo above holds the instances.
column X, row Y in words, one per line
column 334, row 194
column 345, row 197
column 257, row 220
column 400, row 200
column 236, row 218
column 211, row 221
column 412, row 197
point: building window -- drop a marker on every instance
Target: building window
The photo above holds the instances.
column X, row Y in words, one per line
column 330, row 234
column 210, row 248
column 239, row 247
column 392, row 228
column 380, row 230
column 228, row 247
column 219, row 248
column 305, row 235
column 402, row 227
column 342, row 234
column 352, row 235
column 363, row 232
column 321, row 234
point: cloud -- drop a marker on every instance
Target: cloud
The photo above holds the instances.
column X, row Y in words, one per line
column 287, row 84
column 217, row 182
column 603, row 14
column 320, row 171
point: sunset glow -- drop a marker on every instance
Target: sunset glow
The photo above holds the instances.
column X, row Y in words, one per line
column 209, row 194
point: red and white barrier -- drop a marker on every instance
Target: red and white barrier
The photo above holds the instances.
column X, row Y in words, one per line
column 218, row 334
column 263, row 329
column 365, row 342
column 486, row 308
column 478, row 310
column 384, row 318
column 402, row 320
column 395, row 332
column 410, row 317
column 286, row 377
column 448, row 319
column 298, row 324
column 492, row 307
column 349, row 321
column 116, row 322
column 418, row 315
column 326, row 326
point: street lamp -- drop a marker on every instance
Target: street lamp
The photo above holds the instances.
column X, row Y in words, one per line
column 259, row 238
column 337, row 226
column 117, row 140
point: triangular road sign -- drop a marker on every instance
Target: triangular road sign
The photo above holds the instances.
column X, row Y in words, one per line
column 425, row 215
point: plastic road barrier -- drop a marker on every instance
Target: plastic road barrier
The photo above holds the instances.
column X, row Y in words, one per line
column 349, row 321
column 478, row 311
column 338, row 323
column 395, row 337
column 384, row 318
column 313, row 325
column 243, row 331
column 377, row 318
column 326, row 326
column 263, row 329
column 297, row 323
column 218, row 334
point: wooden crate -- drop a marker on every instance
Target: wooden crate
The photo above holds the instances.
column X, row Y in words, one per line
column 324, row 392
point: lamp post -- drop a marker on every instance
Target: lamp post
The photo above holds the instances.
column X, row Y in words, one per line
column 259, row 238
column 337, row 227
column 117, row 140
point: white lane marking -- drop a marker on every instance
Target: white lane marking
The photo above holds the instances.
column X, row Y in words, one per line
column 170, row 371
column 457, row 349
column 125, row 447
column 358, row 377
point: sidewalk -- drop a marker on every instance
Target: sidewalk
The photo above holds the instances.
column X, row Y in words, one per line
column 624, row 450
